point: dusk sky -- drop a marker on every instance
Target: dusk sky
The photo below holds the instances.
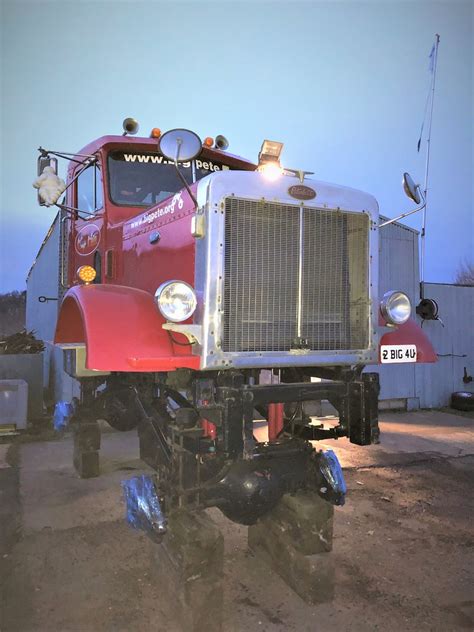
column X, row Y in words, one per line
column 342, row 84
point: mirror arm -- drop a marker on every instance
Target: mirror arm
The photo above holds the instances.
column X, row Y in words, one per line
column 395, row 219
column 86, row 163
column 70, row 209
column 74, row 212
column 416, row 210
column 65, row 155
column 183, row 180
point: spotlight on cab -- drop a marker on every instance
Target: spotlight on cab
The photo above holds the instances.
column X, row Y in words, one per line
column 130, row 126
column 269, row 159
column 221, row 142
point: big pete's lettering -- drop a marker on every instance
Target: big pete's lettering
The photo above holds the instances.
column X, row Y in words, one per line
column 207, row 165
column 176, row 202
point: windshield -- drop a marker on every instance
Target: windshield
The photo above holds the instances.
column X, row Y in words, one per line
column 144, row 179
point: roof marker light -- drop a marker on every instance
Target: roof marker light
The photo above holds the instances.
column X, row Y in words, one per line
column 208, row 141
column 155, row 132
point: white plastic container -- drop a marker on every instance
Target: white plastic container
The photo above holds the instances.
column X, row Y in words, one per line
column 13, row 403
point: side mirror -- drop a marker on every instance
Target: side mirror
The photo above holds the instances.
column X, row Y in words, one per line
column 47, row 161
column 180, row 145
column 411, row 189
column 414, row 192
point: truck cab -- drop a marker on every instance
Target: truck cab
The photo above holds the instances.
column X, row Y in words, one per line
column 191, row 272
column 125, row 176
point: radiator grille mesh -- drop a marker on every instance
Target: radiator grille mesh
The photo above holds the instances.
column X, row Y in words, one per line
column 262, row 262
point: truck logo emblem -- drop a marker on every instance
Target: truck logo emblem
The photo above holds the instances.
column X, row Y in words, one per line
column 87, row 239
column 302, row 192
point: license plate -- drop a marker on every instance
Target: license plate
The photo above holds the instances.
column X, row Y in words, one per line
column 397, row 353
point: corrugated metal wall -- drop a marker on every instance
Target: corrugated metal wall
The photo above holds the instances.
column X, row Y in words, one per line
column 426, row 385
column 453, row 342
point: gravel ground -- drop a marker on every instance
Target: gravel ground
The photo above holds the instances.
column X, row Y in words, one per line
column 402, row 548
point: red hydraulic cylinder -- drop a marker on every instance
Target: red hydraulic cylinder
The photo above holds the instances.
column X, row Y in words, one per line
column 275, row 420
column 209, row 429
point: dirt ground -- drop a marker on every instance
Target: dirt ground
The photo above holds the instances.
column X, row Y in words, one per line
column 403, row 544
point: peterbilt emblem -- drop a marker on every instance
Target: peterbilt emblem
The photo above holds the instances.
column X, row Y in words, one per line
column 302, row 192
column 87, row 239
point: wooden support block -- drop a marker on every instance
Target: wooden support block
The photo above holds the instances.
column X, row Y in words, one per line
column 86, row 437
column 304, row 520
column 86, row 464
column 189, row 570
column 295, row 539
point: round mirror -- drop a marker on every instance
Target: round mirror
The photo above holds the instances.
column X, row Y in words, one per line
column 410, row 188
column 181, row 145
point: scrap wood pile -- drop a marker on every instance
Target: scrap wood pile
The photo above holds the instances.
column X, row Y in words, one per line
column 21, row 342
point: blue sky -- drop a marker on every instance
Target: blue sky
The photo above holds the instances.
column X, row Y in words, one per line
column 342, row 84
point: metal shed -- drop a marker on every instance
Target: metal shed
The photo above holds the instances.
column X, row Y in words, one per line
column 426, row 385
column 453, row 338
column 398, row 270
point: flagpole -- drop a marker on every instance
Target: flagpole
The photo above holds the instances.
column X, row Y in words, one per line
column 427, row 165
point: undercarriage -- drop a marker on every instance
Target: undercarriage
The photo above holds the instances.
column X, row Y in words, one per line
column 196, row 431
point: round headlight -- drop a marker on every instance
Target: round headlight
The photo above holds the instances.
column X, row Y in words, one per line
column 176, row 300
column 395, row 307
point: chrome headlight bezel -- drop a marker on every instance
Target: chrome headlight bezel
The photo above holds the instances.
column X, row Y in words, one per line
column 163, row 299
column 394, row 301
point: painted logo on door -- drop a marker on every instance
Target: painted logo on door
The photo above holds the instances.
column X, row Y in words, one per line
column 87, row 239
column 302, row 192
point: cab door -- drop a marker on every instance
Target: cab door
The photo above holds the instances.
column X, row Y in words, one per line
column 89, row 234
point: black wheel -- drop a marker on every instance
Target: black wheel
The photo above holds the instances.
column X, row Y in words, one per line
column 462, row 400
column 120, row 409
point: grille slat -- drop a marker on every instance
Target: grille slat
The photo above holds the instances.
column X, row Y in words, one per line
column 262, row 260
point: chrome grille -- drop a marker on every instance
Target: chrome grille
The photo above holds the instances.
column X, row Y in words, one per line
column 267, row 246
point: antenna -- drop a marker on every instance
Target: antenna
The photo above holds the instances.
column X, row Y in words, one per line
column 433, row 67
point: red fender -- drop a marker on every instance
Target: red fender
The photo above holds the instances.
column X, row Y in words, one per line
column 121, row 328
column 411, row 334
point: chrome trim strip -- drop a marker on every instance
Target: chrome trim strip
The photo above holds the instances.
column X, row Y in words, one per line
column 300, row 275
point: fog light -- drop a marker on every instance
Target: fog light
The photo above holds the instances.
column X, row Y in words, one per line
column 395, row 307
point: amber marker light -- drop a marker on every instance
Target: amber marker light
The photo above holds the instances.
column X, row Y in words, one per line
column 155, row 132
column 208, row 141
column 86, row 274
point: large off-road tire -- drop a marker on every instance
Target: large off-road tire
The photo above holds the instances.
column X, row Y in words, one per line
column 462, row 400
